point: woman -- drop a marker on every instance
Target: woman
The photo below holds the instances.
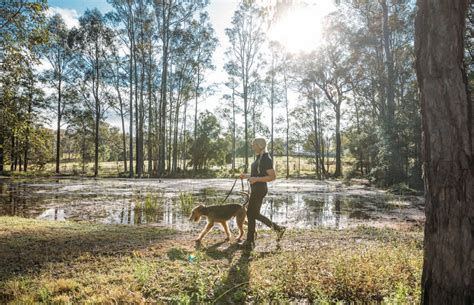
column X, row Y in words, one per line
column 261, row 173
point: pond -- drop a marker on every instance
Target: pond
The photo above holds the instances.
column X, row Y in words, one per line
column 166, row 202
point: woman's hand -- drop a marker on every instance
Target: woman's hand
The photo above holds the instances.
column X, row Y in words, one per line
column 244, row 176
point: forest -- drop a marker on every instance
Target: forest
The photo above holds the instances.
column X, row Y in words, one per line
column 144, row 65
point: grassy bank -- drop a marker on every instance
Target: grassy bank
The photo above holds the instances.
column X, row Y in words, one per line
column 65, row 262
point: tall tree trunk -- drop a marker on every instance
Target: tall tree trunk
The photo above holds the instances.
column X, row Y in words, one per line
column 338, row 172
column 130, row 79
column 97, row 110
column 233, row 128
column 174, row 166
column 124, row 137
column 164, row 83
column 448, row 153
column 150, row 115
column 184, row 136
column 58, row 131
column 27, row 131
column 361, row 160
column 170, row 127
column 316, row 137
column 395, row 174
column 14, row 152
column 196, row 111
column 141, row 116
column 246, row 124
column 321, row 142
column 2, row 143
column 137, row 113
column 287, row 128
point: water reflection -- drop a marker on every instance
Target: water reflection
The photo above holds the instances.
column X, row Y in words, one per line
column 140, row 202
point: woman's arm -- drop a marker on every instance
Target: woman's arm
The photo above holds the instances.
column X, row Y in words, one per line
column 270, row 177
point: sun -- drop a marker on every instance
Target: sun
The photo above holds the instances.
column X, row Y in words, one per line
column 299, row 29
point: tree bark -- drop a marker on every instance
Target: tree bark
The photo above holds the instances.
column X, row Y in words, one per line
column 233, row 128
column 395, row 174
column 2, row 143
column 337, row 109
column 124, row 138
column 448, row 154
column 287, row 127
column 150, row 113
column 130, row 37
column 58, row 131
column 164, row 79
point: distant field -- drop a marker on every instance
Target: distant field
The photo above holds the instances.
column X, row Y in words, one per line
column 298, row 167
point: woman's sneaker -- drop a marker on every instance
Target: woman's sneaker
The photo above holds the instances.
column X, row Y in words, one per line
column 280, row 231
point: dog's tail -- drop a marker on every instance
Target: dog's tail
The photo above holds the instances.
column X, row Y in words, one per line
column 247, row 198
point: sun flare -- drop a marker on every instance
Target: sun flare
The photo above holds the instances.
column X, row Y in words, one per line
column 300, row 27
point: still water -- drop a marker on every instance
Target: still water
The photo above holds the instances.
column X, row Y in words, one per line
column 294, row 203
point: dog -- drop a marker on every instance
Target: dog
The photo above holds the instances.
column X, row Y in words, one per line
column 221, row 214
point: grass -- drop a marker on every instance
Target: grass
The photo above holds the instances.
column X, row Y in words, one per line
column 65, row 262
column 186, row 202
column 298, row 167
column 147, row 207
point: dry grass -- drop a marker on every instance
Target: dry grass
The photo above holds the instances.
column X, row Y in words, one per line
column 64, row 262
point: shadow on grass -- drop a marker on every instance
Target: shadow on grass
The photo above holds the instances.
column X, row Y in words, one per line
column 26, row 246
column 235, row 286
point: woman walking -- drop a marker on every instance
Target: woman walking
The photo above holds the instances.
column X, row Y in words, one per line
column 261, row 173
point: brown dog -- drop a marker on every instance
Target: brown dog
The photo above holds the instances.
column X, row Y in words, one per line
column 220, row 214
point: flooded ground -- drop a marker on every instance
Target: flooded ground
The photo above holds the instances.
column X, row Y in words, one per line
column 167, row 202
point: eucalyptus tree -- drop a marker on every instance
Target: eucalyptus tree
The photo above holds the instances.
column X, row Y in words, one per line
column 332, row 75
column 92, row 40
column 230, row 98
column 21, row 31
column 169, row 16
column 246, row 37
column 124, row 14
column 205, row 42
column 448, row 152
column 60, row 55
column 381, row 33
column 117, row 78
column 272, row 83
column 303, row 74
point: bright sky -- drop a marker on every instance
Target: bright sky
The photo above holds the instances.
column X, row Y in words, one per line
column 298, row 30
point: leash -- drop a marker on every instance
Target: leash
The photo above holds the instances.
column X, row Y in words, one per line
column 230, row 192
column 242, row 192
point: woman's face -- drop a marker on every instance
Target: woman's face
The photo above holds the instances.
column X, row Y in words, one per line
column 256, row 148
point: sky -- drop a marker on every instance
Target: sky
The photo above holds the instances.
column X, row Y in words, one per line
column 298, row 30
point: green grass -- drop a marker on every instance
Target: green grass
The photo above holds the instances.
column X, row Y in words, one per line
column 65, row 262
column 297, row 168
column 186, row 202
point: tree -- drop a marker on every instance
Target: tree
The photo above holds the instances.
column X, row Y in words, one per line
column 21, row 31
column 246, row 37
column 92, row 40
column 170, row 15
column 59, row 55
column 332, row 76
column 448, row 152
column 207, row 146
column 205, row 44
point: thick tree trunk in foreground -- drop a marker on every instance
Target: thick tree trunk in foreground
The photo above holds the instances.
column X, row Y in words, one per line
column 448, row 269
